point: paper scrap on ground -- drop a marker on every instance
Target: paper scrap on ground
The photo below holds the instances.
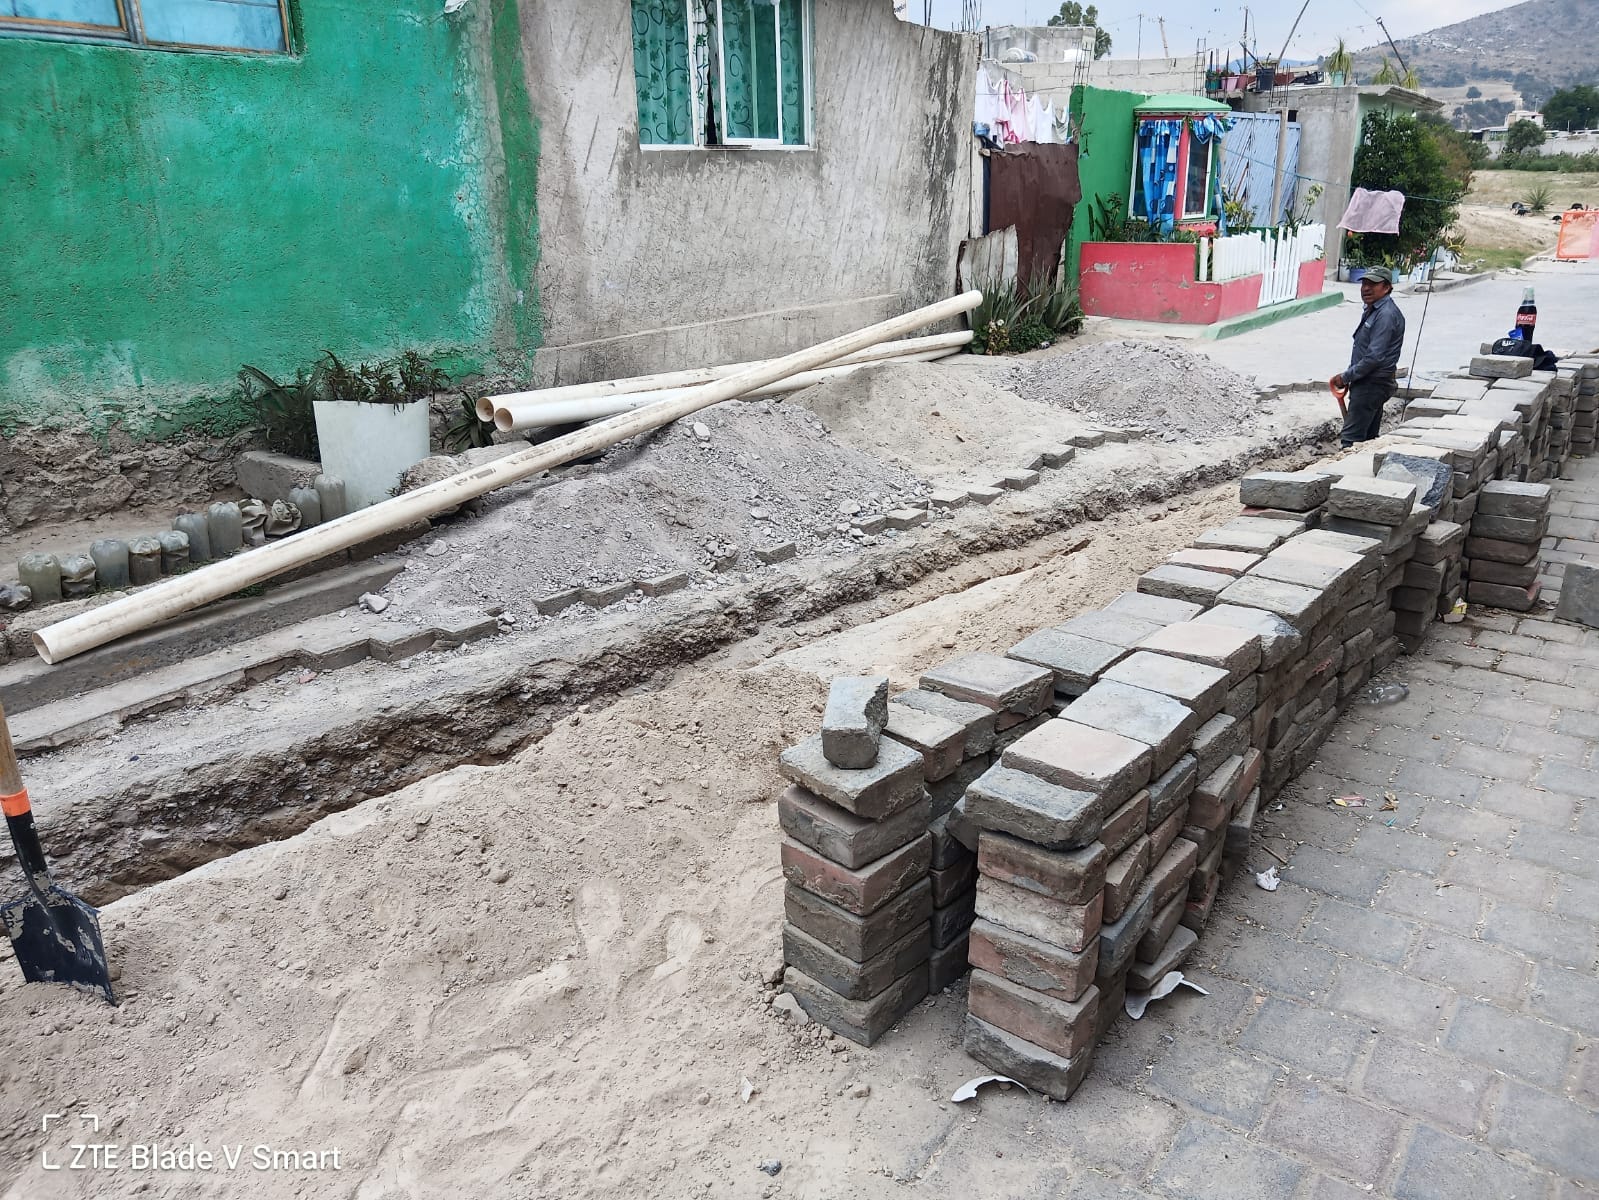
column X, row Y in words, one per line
column 968, row 1090
column 1350, row 801
column 1267, row 879
column 747, row 1091
column 1137, row 1002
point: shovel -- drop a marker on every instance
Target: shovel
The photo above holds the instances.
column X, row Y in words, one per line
column 1339, row 396
column 55, row 935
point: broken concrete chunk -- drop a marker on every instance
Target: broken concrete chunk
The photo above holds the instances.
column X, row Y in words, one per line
column 906, row 518
column 852, row 723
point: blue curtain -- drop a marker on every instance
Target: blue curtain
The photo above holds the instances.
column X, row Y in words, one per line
column 1156, row 152
column 1157, row 172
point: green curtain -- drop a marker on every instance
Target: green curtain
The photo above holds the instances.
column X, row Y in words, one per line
column 661, row 73
column 791, row 52
column 749, row 68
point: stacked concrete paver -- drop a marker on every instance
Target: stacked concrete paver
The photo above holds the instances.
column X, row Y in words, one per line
column 1101, row 779
column 856, row 858
column 1507, row 531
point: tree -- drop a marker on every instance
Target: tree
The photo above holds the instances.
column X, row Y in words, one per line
column 1072, row 13
column 1474, row 92
column 1523, row 135
column 1386, row 73
column 1401, row 153
column 1573, row 108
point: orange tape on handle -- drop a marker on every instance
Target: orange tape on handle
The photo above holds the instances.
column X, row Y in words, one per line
column 16, row 804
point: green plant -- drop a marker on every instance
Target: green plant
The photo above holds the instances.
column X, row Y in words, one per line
column 1524, row 135
column 419, row 377
column 1340, row 62
column 333, row 380
column 1299, row 214
column 1538, row 197
column 1386, row 73
column 1000, row 310
column 1058, row 307
column 466, row 431
column 283, row 410
column 1238, row 214
column 1399, row 152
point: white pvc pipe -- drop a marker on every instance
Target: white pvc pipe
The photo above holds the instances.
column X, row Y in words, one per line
column 562, row 412
column 486, row 405
column 179, row 593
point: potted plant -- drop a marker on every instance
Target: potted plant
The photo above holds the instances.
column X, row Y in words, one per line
column 372, row 421
column 1340, row 63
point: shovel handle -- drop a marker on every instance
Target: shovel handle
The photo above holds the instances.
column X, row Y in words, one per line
column 18, row 811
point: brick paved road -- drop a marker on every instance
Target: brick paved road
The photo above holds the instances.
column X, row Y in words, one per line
column 1414, row 1012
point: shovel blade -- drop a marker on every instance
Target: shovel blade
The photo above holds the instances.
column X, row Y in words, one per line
column 56, row 937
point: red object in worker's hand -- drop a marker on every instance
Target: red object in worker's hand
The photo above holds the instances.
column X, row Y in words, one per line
column 1338, row 394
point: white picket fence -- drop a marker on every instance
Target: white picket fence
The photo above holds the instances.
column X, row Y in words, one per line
column 1275, row 254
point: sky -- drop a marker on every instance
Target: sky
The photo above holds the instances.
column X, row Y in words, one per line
column 1222, row 24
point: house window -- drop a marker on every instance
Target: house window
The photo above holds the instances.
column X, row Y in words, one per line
column 252, row 25
column 1196, row 192
column 722, row 72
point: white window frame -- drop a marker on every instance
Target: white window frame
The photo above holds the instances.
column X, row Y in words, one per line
column 696, row 12
column 805, row 66
column 130, row 31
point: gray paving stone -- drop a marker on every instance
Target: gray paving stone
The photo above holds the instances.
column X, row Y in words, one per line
column 1426, row 1083
column 1360, row 931
column 1112, row 1129
column 993, row 681
column 1279, row 640
column 1440, row 783
column 1283, row 911
column 1210, row 1163
column 1470, row 967
column 1214, row 1080
column 1440, row 1167
column 1531, row 804
column 1538, row 935
column 1391, row 1002
column 1339, row 1132
column 1268, row 961
column 1307, row 1039
column 1458, row 823
column 1336, row 874
column 1520, row 1046
column 1456, row 909
column 1575, row 897
column 1556, row 848
column 1160, row 721
column 1549, row 1130
column 1572, row 780
column 1076, row 661
column 1500, row 875
column 1399, row 847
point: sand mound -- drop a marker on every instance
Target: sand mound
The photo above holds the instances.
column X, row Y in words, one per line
column 1153, row 386
column 766, row 473
column 939, row 420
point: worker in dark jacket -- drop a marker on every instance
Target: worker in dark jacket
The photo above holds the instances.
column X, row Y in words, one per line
column 1370, row 377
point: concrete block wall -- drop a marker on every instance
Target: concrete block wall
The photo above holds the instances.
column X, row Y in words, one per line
column 1089, row 791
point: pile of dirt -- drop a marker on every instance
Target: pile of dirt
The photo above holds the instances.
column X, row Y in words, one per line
column 941, row 420
column 1158, row 387
column 699, row 495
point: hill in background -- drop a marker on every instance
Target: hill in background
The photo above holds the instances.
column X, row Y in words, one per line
column 1529, row 49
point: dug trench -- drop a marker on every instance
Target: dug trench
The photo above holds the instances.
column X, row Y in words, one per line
column 182, row 788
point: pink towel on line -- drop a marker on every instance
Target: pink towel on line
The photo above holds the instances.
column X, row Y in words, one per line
column 1373, row 212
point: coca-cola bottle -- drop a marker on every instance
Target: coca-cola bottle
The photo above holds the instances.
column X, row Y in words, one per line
column 1526, row 317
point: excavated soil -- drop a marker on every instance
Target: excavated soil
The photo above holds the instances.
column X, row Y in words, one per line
column 1157, row 387
column 941, row 421
column 700, row 495
column 547, row 978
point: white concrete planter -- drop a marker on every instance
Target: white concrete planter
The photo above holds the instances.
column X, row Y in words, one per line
column 370, row 446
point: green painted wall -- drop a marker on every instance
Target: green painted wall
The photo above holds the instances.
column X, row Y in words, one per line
column 1105, row 165
column 169, row 216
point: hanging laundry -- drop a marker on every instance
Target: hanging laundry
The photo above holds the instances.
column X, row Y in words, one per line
column 1373, row 212
column 1041, row 127
column 989, row 116
column 1021, row 129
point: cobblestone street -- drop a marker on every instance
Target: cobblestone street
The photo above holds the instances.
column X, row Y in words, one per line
column 1411, row 1013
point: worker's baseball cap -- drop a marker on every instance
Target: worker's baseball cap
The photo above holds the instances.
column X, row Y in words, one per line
column 1380, row 275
